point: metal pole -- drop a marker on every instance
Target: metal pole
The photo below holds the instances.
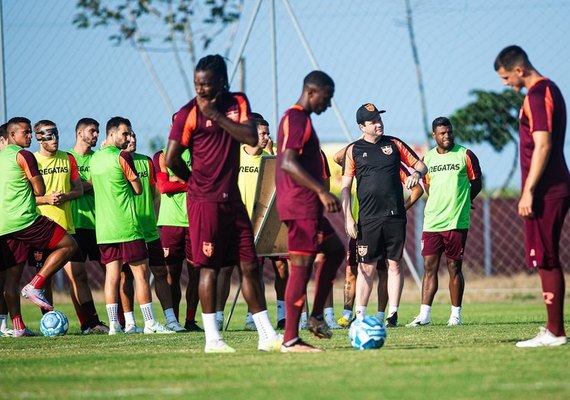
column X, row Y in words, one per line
column 315, row 65
column 274, row 63
column 245, row 39
column 487, row 235
column 2, row 69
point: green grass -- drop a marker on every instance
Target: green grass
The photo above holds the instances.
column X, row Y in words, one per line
column 475, row 361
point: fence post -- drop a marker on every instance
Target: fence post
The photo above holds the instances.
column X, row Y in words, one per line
column 487, row 235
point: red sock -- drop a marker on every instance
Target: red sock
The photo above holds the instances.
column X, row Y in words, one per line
column 190, row 314
column 81, row 316
column 324, row 280
column 552, row 280
column 295, row 295
column 18, row 322
column 38, row 282
column 90, row 313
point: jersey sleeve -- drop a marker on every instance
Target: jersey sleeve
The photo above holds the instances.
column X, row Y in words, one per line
column 539, row 108
column 326, row 169
column 244, row 107
column 152, row 173
column 162, row 181
column 349, row 166
column 296, row 130
column 407, row 155
column 28, row 163
column 128, row 166
column 184, row 124
column 74, row 173
column 473, row 168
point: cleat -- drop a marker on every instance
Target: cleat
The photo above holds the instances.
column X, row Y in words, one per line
column 175, row 326
column 98, row 329
column 418, row 322
column 36, row 296
column 218, row 346
column 131, row 329
column 7, row 333
column 392, row 320
column 318, row 327
column 332, row 324
column 157, row 328
column 271, row 344
column 192, row 326
column 249, row 326
column 298, row 346
column 281, row 324
column 23, row 333
column 454, row 321
column 344, row 322
column 544, row 338
column 115, row 328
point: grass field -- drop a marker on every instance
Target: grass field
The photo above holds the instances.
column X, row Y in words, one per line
column 475, row 361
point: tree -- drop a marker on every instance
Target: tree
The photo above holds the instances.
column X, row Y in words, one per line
column 491, row 118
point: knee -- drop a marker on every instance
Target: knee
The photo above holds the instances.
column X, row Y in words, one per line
column 160, row 273
column 250, row 270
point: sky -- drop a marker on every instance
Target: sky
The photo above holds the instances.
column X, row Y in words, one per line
column 55, row 71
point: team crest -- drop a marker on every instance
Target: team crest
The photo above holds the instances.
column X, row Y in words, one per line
column 233, row 115
column 208, row 249
column 387, row 150
column 166, row 251
column 370, row 107
column 362, row 250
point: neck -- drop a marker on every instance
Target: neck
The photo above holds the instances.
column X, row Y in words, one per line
column 533, row 77
column 47, row 153
column 82, row 148
column 371, row 138
column 304, row 102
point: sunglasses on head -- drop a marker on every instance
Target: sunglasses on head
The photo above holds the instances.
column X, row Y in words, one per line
column 48, row 134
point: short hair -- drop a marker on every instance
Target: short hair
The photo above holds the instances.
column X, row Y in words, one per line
column 217, row 65
column 83, row 122
column 17, row 121
column 510, row 57
column 259, row 120
column 440, row 121
column 4, row 131
column 115, row 122
column 319, row 79
column 42, row 122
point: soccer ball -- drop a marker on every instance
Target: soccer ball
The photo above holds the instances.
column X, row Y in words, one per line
column 367, row 333
column 54, row 323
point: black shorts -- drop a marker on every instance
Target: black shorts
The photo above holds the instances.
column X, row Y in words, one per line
column 87, row 243
column 381, row 239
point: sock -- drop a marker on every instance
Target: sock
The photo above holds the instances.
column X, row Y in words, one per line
column 169, row 315
column 347, row 314
column 148, row 315
column 425, row 312
column 295, row 294
column 360, row 312
column 249, row 317
column 220, row 316
column 129, row 318
column 90, row 312
column 18, row 322
column 3, row 322
column 456, row 311
column 38, row 282
column 280, row 310
column 380, row 315
column 392, row 309
column 190, row 314
column 324, row 279
column 263, row 324
column 552, row 280
column 210, row 327
column 329, row 314
column 112, row 313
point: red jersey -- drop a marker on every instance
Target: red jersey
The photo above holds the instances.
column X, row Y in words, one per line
column 296, row 132
column 215, row 153
column 544, row 109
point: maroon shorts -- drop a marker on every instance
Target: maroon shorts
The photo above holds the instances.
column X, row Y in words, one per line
column 175, row 243
column 43, row 234
column 155, row 253
column 542, row 233
column 303, row 236
column 451, row 242
column 221, row 234
column 12, row 252
column 351, row 253
column 87, row 242
column 134, row 250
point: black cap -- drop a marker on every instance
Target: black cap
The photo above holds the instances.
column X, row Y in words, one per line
column 367, row 112
column 258, row 119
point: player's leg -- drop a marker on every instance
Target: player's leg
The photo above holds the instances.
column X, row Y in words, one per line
column 382, row 290
column 127, row 300
column 111, row 287
column 370, row 248
column 280, row 284
column 395, row 236
column 223, row 286
column 454, row 241
column 11, row 293
column 192, row 298
column 349, row 290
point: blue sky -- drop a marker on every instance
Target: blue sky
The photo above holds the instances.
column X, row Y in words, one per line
column 55, row 71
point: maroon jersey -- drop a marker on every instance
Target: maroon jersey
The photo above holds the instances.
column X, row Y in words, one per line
column 215, row 153
column 296, row 132
column 544, row 109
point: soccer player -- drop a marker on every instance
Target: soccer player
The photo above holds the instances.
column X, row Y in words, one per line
column 452, row 183
column 211, row 126
column 119, row 234
column 301, row 198
column 20, row 182
column 63, row 184
column 144, row 207
column 376, row 160
column 545, row 196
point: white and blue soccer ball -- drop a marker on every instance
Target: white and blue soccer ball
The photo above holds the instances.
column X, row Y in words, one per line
column 54, row 323
column 367, row 333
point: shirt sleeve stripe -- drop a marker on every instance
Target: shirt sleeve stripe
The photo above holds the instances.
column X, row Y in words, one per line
column 243, row 108
column 74, row 174
column 349, row 167
column 128, row 166
column 28, row 163
column 407, row 155
column 473, row 168
column 285, row 133
column 189, row 127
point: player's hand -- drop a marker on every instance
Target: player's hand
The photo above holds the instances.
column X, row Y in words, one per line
column 525, row 205
column 174, row 178
column 208, row 107
column 269, row 146
column 412, row 180
column 330, row 202
column 54, row 198
column 350, row 227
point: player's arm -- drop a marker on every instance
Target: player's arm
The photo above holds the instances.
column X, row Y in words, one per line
column 87, row 187
column 291, row 166
column 165, row 183
column 540, row 156
column 416, row 191
column 411, row 159
column 338, row 157
column 29, row 165
column 130, row 172
column 346, row 201
column 76, row 185
column 473, row 174
column 174, row 159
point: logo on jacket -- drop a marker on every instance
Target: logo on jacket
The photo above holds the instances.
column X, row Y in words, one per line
column 387, row 150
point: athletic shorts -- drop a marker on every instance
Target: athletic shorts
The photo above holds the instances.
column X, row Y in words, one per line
column 381, row 239
column 87, row 242
column 12, row 252
column 221, row 234
column 451, row 242
column 176, row 243
column 542, row 233
column 351, row 253
column 134, row 250
column 305, row 236
column 43, row 234
column 155, row 253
